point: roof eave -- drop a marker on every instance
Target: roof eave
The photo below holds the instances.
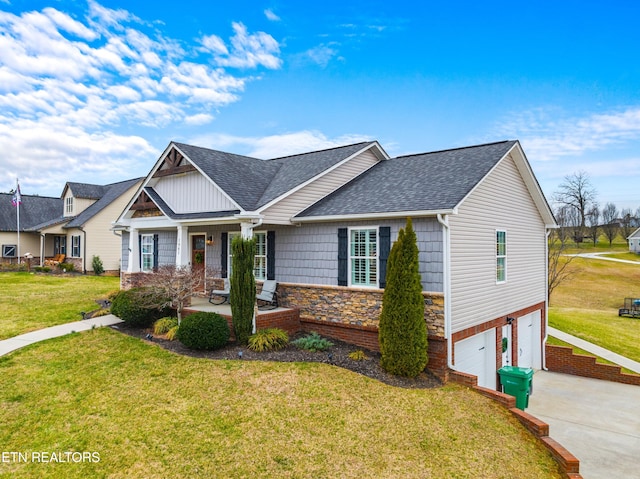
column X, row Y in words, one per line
column 371, row 216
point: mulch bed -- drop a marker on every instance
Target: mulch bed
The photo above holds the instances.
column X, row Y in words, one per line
column 337, row 355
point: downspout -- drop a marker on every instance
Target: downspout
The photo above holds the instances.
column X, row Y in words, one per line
column 120, row 261
column 446, row 280
column 42, row 247
column 546, row 302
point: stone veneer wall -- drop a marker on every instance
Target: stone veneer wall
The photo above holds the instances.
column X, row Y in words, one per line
column 352, row 306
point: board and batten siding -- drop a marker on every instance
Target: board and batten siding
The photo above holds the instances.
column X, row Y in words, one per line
column 500, row 202
column 282, row 211
column 192, row 193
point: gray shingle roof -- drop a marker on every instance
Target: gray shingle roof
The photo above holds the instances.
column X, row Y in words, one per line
column 253, row 183
column 87, row 191
column 109, row 193
column 33, row 211
column 424, row 182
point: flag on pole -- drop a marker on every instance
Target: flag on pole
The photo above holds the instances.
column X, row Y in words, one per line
column 17, row 197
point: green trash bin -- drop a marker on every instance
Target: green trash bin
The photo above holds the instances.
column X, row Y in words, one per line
column 517, row 382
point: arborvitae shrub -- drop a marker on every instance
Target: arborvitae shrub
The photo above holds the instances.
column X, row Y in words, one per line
column 402, row 330
column 243, row 287
column 203, row 331
column 96, row 264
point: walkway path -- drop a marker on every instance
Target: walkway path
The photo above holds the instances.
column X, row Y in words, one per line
column 630, row 364
column 603, row 256
column 17, row 342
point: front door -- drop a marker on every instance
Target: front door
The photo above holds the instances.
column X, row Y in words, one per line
column 198, row 256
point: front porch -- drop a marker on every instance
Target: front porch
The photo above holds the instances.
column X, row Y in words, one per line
column 283, row 318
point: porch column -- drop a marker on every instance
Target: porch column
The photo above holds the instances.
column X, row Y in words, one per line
column 133, row 260
column 246, row 230
column 182, row 246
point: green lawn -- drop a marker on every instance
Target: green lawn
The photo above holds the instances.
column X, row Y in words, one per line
column 149, row 413
column 586, row 305
column 33, row 301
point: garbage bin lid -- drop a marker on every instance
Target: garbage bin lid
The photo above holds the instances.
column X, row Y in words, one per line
column 515, row 371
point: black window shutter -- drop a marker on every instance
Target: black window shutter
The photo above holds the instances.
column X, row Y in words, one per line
column 155, row 252
column 224, row 254
column 343, row 256
column 271, row 255
column 384, row 235
column 139, row 251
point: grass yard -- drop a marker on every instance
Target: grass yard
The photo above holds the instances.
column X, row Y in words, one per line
column 587, row 305
column 149, row 413
column 32, row 301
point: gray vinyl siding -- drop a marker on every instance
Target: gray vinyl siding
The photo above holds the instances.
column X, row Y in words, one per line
column 309, row 254
column 125, row 251
column 500, row 202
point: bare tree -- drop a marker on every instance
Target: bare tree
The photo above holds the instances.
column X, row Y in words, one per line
column 593, row 223
column 559, row 261
column 173, row 287
column 578, row 194
column 626, row 222
column 609, row 224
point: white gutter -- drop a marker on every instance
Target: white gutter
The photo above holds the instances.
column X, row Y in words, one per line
column 367, row 216
column 446, row 284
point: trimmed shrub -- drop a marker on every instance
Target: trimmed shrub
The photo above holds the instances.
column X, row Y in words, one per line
column 243, row 287
column 67, row 267
column 403, row 330
column 96, row 264
column 128, row 306
column 163, row 325
column 270, row 339
column 203, row 331
column 42, row 269
column 313, row 342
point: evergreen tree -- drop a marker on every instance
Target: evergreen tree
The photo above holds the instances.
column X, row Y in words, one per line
column 403, row 331
column 243, row 287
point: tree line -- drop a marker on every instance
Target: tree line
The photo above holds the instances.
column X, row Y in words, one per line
column 581, row 218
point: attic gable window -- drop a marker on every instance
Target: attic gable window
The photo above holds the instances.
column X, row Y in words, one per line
column 501, row 256
column 68, row 205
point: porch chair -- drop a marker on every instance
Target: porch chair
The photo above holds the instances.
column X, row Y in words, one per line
column 268, row 295
column 221, row 293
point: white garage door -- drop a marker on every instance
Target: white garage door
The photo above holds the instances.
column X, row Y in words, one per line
column 529, row 342
column 477, row 355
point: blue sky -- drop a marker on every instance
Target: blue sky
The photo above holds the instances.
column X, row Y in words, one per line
column 94, row 91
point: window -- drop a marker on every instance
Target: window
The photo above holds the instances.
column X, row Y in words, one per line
column 501, row 256
column 260, row 259
column 363, row 257
column 146, row 252
column 75, row 246
column 9, row 251
column 59, row 245
column 68, row 204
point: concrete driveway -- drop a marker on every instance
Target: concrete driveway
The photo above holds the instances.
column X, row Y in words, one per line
column 597, row 421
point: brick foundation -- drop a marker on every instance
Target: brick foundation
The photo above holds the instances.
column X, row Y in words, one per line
column 561, row 359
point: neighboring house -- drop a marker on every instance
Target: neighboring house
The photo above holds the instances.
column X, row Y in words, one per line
column 325, row 221
column 634, row 241
column 33, row 211
column 81, row 227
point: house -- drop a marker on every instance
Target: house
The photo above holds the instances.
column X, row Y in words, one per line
column 634, row 241
column 324, row 223
column 33, row 211
column 81, row 225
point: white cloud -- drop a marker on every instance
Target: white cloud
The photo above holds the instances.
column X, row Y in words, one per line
column 71, row 90
column 322, row 54
column 549, row 135
column 271, row 15
column 275, row 146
